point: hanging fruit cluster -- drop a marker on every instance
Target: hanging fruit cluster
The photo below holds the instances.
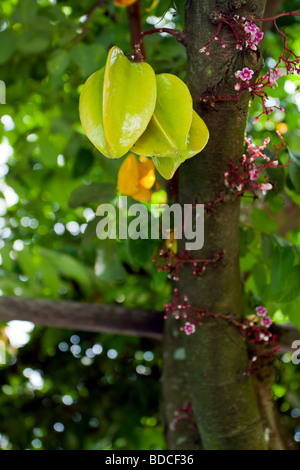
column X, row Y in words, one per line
column 126, row 107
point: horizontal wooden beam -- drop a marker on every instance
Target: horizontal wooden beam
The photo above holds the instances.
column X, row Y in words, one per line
column 82, row 316
column 105, row 318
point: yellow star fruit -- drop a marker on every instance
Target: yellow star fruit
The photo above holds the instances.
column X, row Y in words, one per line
column 116, row 104
column 136, row 178
column 124, row 106
column 124, row 3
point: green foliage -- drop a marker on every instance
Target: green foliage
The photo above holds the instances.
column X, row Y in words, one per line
column 54, row 181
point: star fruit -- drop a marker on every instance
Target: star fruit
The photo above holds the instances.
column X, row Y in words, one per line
column 116, row 104
column 175, row 132
column 124, row 106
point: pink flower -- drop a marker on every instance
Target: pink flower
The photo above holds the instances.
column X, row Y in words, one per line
column 245, row 74
column 250, row 28
column 265, row 187
column 274, row 74
column 258, row 36
column 266, row 321
column 261, row 311
column 253, row 174
column 254, row 35
column 189, row 328
column 253, row 47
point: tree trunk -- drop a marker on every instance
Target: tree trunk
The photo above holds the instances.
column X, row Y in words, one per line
column 224, row 400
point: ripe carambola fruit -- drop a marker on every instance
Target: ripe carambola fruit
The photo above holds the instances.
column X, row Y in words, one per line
column 117, row 103
column 175, row 132
column 124, row 106
column 196, row 141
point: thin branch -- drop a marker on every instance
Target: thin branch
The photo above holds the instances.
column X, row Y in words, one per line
column 135, row 26
column 89, row 15
column 178, row 34
column 85, row 317
column 280, row 15
column 272, row 7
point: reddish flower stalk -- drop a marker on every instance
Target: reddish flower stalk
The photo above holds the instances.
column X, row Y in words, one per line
column 280, row 15
column 255, row 328
column 247, row 34
column 183, row 414
column 167, row 261
column 244, row 177
column 178, row 34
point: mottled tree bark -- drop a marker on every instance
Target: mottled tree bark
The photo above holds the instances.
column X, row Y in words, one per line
column 224, row 400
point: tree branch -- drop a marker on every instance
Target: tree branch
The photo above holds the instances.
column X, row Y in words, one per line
column 105, row 318
column 135, row 26
column 80, row 316
column 271, row 9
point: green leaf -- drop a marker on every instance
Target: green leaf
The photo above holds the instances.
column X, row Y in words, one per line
column 140, row 251
column 292, row 290
column 83, row 163
column 262, row 221
column 260, row 279
column 84, row 57
column 267, row 246
column 8, row 41
column 108, row 266
column 58, row 62
column 246, row 237
column 68, row 267
column 34, row 42
column 281, row 241
column 293, row 312
column 294, row 169
column 282, row 265
column 50, row 277
column 99, row 192
column 27, row 262
column 90, row 232
column 48, row 153
column 7, row 262
column 26, row 11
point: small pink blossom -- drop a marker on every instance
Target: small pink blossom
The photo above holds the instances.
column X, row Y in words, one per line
column 250, row 27
column 259, row 35
column 189, row 328
column 237, row 86
column 274, row 74
column 265, row 187
column 261, row 311
column 245, row 74
column 266, row 321
column 253, row 174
